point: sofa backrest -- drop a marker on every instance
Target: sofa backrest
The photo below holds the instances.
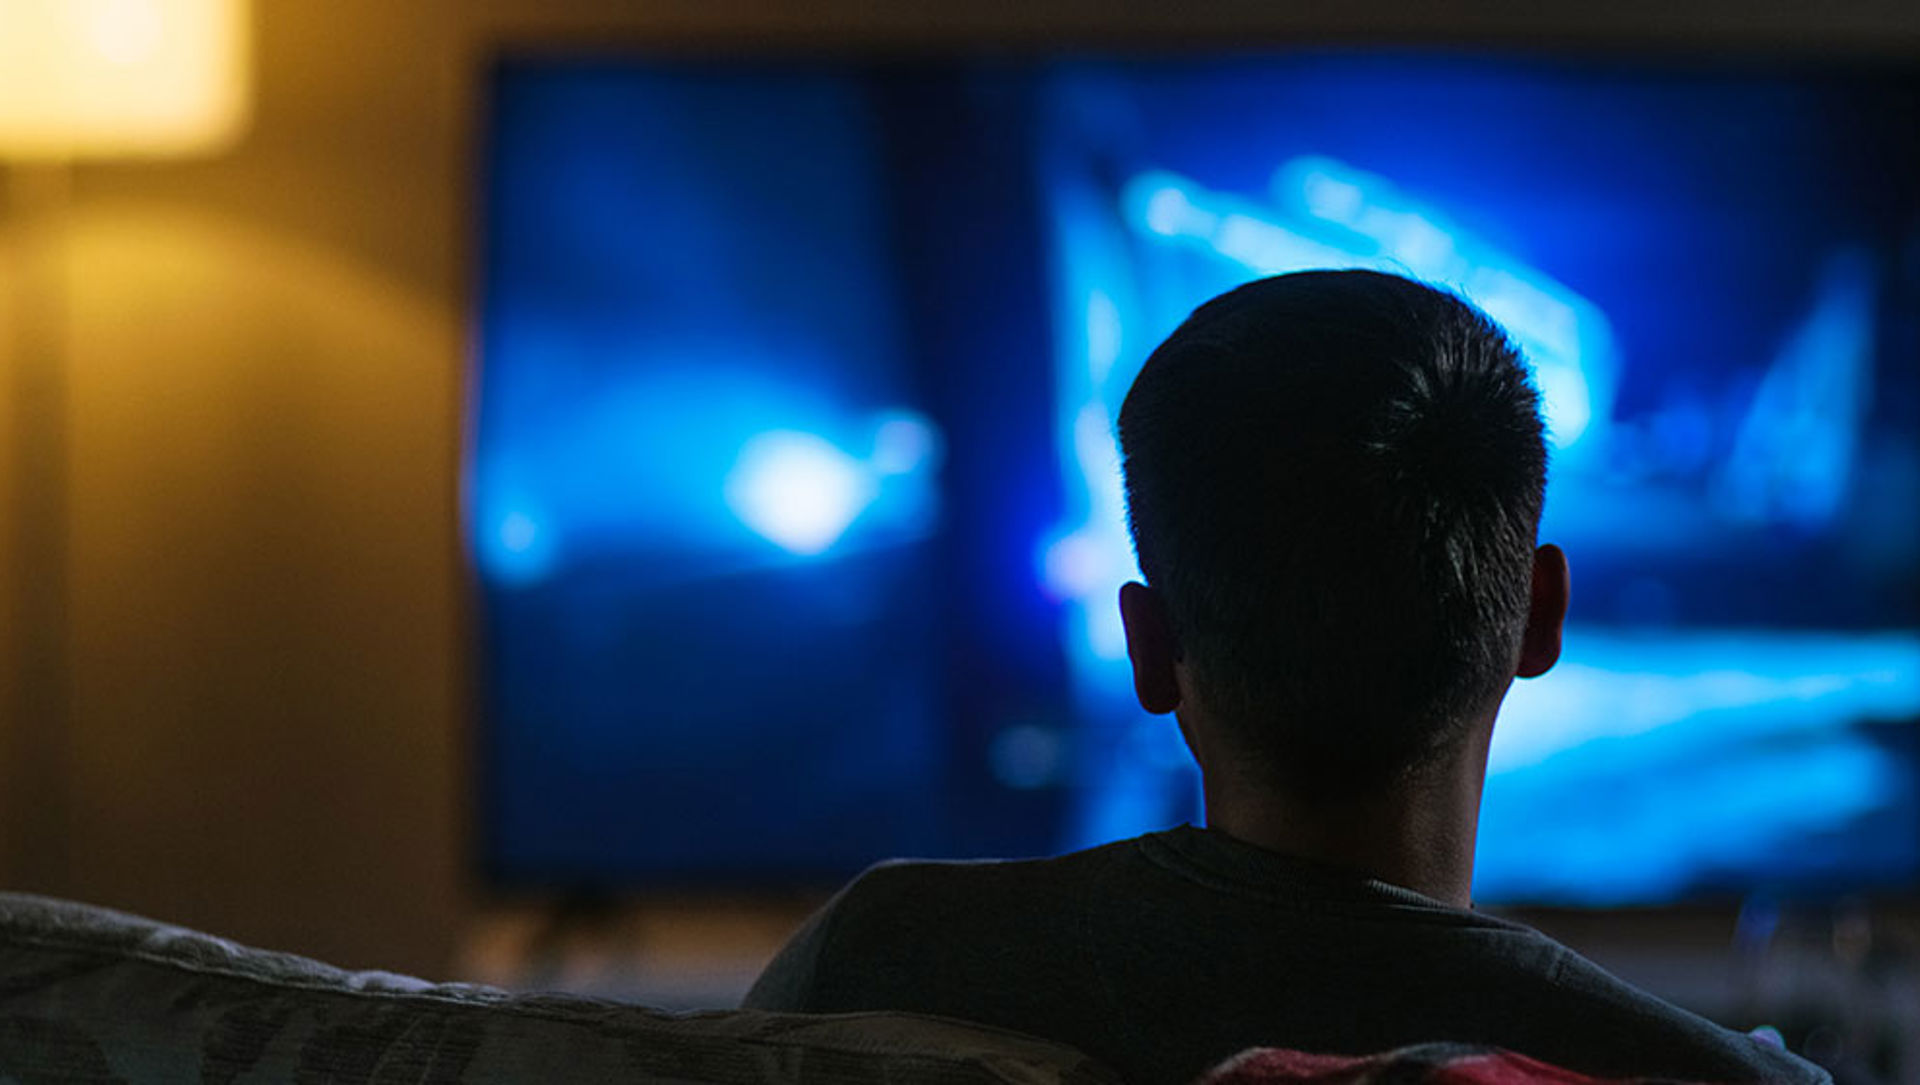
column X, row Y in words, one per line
column 89, row 994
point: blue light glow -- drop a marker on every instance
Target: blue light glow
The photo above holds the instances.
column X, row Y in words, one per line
column 906, row 443
column 1686, row 652
column 1654, row 828
column 518, row 533
column 1329, row 215
column 1793, row 456
column 798, row 490
column 1702, row 686
column 702, row 481
column 520, row 550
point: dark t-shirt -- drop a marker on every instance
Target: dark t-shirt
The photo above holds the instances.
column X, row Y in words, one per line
column 1162, row 955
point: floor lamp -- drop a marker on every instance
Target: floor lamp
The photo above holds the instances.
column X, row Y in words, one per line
column 80, row 80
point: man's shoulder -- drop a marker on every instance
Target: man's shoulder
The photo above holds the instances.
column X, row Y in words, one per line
column 976, row 891
column 1620, row 1014
column 914, row 933
column 1187, row 930
column 896, row 875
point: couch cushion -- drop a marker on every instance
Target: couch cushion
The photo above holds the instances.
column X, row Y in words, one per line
column 88, row 994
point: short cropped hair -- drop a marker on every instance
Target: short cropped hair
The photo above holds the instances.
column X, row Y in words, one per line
column 1334, row 480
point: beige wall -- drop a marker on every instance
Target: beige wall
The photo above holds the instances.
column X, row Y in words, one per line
column 264, row 363
column 264, row 729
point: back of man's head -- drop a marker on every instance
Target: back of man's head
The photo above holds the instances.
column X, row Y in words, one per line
column 1334, row 481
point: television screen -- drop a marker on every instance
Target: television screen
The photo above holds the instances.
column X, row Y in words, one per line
column 794, row 502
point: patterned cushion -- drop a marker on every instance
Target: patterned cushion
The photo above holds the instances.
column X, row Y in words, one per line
column 91, row 995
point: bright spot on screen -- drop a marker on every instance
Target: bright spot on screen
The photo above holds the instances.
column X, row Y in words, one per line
column 518, row 533
column 1076, row 566
column 1565, row 402
column 1331, row 198
column 1795, row 453
column 1324, row 213
column 1703, row 685
column 797, row 490
column 1167, row 209
column 519, row 550
column 1106, row 633
column 905, row 442
column 1104, row 333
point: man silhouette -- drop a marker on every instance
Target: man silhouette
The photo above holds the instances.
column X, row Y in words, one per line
column 1334, row 482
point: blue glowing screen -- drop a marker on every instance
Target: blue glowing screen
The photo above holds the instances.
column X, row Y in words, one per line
column 795, row 506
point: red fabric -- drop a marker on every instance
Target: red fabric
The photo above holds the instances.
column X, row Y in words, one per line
column 1507, row 1068
column 1433, row 1064
column 1277, row 1064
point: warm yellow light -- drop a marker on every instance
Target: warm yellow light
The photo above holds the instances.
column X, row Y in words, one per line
column 112, row 78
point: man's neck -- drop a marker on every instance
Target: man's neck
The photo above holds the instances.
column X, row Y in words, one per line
column 1418, row 834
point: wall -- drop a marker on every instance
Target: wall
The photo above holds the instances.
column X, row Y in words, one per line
column 264, row 369
column 258, row 720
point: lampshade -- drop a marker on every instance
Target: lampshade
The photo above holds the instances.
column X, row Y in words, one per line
column 121, row 78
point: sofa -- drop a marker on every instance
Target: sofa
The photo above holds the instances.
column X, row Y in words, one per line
column 92, row 995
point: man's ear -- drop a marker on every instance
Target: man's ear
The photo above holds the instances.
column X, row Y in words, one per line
column 1540, row 646
column 1150, row 647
